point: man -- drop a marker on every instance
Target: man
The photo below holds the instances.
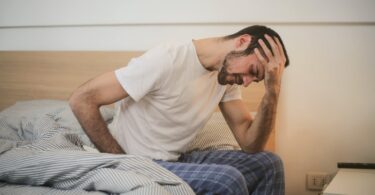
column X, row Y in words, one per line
column 170, row 92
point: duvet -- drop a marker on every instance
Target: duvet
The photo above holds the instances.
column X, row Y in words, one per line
column 42, row 151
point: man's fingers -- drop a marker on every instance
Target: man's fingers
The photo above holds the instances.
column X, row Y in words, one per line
column 274, row 47
column 283, row 58
column 265, row 49
column 281, row 50
column 260, row 57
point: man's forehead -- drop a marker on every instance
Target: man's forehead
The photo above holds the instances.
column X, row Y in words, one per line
column 255, row 60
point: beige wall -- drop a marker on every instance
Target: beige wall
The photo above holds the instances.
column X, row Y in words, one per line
column 327, row 104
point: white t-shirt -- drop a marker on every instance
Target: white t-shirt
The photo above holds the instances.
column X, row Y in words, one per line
column 171, row 96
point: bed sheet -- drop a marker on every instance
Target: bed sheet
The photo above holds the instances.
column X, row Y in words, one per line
column 41, row 152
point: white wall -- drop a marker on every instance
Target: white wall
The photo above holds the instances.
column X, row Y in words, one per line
column 140, row 24
column 326, row 105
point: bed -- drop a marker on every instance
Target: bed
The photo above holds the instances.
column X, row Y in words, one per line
column 43, row 148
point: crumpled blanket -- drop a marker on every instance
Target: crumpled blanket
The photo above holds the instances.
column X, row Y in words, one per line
column 41, row 152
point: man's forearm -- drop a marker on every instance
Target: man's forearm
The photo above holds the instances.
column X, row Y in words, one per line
column 263, row 123
column 96, row 128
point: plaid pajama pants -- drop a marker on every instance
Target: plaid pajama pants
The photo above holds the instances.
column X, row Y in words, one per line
column 230, row 172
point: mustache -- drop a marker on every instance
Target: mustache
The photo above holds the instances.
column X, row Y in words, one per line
column 222, row 78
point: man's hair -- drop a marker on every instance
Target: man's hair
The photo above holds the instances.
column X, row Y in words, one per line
column 257, row 32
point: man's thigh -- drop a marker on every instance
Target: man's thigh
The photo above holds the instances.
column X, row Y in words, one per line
column 224, row 157
column 256, row 168
column 235, row 158
column 209, row 178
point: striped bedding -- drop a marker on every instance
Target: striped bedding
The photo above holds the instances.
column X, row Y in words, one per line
column 41, row 152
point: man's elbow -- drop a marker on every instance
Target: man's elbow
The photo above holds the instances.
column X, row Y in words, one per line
column 78, row 100
column 74, row 101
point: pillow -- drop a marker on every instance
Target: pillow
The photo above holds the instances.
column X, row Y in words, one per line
column 215, row 135
column 25, row 113
column 58, row 109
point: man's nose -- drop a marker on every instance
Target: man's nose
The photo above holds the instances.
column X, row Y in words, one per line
column 247, row 80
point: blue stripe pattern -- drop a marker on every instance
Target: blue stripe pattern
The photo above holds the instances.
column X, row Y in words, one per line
column 230, row 172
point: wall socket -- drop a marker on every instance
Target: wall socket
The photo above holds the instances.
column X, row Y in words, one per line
column 317, row 180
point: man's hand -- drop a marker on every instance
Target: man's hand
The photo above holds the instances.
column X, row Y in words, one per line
column 273, row 64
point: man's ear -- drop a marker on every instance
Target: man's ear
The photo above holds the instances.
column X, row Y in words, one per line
column 243, row 42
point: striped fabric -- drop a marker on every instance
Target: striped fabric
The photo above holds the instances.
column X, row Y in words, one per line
column 39, row 155
column 215, row 135
column 230, row 172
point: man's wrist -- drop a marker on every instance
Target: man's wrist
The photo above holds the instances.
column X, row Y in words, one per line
column 272, row 94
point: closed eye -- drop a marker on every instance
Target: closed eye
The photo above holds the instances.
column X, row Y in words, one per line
column 259, row 76
column 254, row 73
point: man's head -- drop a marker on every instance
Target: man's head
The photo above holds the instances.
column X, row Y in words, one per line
column 241, row 66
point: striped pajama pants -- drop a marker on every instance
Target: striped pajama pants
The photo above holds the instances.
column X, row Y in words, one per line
column 230, row 172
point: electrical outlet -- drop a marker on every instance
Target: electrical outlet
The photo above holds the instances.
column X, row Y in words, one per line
column 317, row 180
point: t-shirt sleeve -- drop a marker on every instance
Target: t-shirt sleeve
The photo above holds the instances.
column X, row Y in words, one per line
column 233, row 92
column 144, row 74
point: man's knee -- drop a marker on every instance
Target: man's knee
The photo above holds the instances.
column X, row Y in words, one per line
column 234, row 180
column 273, row 161
column 227, row 180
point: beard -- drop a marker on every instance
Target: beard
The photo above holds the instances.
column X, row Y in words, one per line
column 223, row 73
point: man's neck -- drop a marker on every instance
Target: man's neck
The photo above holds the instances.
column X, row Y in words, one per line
column 211, row 52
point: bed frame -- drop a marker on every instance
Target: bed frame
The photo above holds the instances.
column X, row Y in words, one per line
column 26, row 75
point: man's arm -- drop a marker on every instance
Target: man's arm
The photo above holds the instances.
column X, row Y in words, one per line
column 85, row 103
column 252, row 134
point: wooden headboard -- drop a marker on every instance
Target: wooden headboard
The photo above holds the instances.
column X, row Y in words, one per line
column 26, row 75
